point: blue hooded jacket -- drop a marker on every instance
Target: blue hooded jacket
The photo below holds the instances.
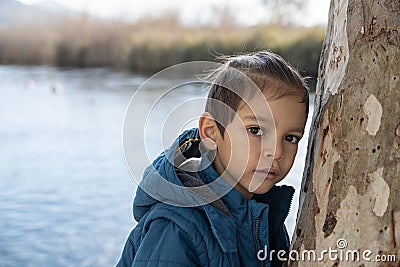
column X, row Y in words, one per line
column 178, row 226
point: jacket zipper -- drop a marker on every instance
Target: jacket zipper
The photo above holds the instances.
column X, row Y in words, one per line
column 281, row 226
column 258, row 239
column 278, row 245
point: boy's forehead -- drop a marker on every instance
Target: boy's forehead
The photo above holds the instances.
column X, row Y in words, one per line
column 256, row 109
column 259, row 108
column 256, row 101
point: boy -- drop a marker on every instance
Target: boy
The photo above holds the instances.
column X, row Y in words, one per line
column 211, row 199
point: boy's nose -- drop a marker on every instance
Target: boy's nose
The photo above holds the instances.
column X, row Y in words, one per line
column 277, row 154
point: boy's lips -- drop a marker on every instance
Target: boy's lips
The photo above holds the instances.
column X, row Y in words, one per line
column 269, row 173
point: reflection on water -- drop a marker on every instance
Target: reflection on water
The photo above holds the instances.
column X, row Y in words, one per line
column 66, row 193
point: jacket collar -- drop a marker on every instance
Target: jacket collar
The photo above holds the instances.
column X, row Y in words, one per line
column 161, row 174
column 276, row 202
column 279, row 200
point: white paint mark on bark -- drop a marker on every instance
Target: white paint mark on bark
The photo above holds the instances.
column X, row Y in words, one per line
column 352, row 214
column 339, row 49
column 380, row 192
column 350, row 225
column 373, row 110
column 356, row 215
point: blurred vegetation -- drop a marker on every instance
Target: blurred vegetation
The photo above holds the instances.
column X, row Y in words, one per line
column 152, row 44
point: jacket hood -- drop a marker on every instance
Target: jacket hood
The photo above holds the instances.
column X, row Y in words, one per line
column 173, row 178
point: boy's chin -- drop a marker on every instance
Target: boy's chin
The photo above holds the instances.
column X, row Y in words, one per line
column 262, row 189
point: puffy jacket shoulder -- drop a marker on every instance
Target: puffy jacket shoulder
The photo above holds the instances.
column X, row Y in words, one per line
column 171, row 236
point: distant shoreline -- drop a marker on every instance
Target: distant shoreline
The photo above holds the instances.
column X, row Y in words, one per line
column 150, row 45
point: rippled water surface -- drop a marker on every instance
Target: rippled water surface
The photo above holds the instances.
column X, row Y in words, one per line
column 66, row 193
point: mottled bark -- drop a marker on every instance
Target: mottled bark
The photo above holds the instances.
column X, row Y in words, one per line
column 351, row 183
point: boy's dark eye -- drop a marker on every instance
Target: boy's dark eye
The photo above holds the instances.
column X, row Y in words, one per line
column 255, row 131
column 292, row 139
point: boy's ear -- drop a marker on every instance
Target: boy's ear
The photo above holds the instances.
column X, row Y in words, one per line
column 207, row 128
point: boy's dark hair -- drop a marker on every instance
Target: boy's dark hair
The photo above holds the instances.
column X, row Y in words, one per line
column 229, row 83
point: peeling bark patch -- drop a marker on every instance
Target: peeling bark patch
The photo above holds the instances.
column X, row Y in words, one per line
column 380, row 192
column 373, row 110
column 398, row 130
column 338, row 53
column 329, row 225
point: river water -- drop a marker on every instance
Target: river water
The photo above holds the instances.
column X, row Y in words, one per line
column 65, row 190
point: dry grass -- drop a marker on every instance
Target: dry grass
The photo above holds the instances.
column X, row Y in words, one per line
column 150, row 44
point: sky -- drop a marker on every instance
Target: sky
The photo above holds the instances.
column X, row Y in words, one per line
column 249, row 12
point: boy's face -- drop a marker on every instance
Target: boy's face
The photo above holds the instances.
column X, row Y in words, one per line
column 253, row 151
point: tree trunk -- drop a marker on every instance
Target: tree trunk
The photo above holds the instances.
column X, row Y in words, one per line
column 350, row 195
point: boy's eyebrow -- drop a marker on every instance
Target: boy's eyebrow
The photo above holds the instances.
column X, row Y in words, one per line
column 265, row 120
column 300, row 130
column 257, row 119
